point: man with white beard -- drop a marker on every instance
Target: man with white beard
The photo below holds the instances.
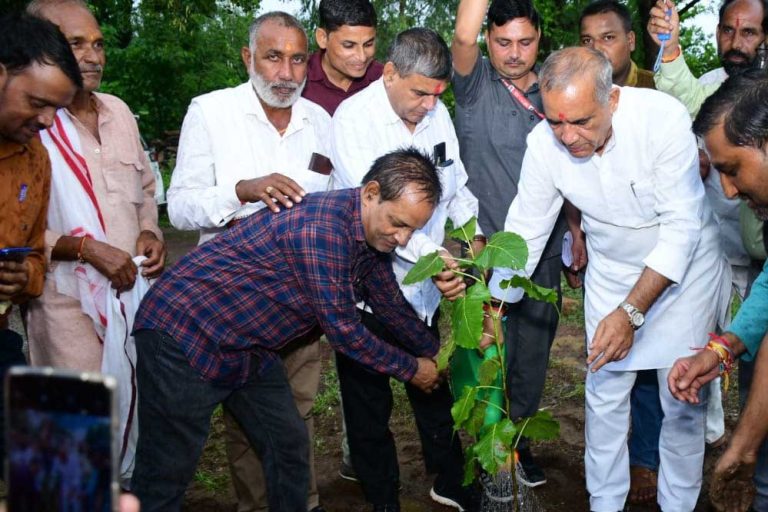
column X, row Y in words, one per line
column 242, row 149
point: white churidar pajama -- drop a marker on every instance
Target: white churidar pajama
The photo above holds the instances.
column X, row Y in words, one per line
column 643, row 205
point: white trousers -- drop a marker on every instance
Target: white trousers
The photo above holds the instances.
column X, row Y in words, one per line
column 681, row 444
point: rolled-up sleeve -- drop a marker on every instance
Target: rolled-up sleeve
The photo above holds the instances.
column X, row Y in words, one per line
column 675, row 79
column 195, row 200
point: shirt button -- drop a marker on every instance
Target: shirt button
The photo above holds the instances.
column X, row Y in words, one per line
column 530, row 117
column 97, row 151
column 514, row 112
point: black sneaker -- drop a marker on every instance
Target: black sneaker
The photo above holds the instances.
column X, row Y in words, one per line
column 460, row 498
column 532, row 475
column 347, row 472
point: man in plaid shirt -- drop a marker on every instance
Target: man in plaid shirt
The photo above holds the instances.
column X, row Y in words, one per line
column 208, row 331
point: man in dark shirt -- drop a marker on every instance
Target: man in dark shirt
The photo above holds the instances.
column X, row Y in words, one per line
column 497, row 104
column 208, row 330
column 345, row 63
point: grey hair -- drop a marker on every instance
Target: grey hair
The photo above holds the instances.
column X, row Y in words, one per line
column 421, row 51
column 281, row 18
column 37, row 7
column 564, row 66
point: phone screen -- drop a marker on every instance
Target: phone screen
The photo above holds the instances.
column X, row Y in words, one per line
column 61, row 453
column 14, row 253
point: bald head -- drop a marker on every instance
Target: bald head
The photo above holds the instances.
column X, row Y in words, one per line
column 566, row 66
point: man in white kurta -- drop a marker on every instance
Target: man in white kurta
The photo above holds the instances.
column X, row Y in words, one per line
column 243, row 148
column 402, row 109
column 627, row 159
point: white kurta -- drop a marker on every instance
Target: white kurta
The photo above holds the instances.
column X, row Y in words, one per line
column 366, row 127
column 642, row 204
column 226, row 138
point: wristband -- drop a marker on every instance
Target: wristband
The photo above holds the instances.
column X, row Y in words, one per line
column 667, row 60
column 80, row 257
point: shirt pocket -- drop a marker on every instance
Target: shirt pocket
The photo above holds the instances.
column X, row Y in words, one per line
column 124, row 178
column 644, row 197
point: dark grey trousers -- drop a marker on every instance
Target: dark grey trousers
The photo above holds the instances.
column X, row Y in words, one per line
column 531, row 328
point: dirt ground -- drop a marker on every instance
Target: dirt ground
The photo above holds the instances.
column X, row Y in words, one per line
column 562, row 460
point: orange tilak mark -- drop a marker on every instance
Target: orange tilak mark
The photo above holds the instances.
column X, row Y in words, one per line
column 438, row 90
column 561, row 116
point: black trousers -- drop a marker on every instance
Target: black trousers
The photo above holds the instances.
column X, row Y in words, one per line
column 531, row 328
column 367, row 401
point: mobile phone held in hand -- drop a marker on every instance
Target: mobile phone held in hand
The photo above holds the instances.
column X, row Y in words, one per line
column 16, row 254
column 61, row 436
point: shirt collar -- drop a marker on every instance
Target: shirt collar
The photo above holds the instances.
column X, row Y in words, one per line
column 253, row 107
column 533, row 88
column 357, row 215
column 632, row 76
column 389, row 116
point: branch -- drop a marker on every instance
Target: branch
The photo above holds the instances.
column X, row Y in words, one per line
column 687, row 7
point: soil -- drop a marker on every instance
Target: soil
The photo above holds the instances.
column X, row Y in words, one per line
column 562, row 460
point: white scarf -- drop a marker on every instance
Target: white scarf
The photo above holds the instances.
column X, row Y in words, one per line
column 74, row 211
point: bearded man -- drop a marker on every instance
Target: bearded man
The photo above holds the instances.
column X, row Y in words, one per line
column 242, row 149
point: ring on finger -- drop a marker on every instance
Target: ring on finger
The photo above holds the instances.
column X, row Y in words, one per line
column 269, row 189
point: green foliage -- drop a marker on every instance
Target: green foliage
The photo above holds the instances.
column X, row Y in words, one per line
column 540, row 426
column 493, row 448
column 177, row 50
column 467, row 319
column 506, row 250
column 426, row 267
column 531, row 289
column 482, row 409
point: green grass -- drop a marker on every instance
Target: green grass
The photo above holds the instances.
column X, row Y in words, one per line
column 212, row 482
column 328, row 397
column 573, row 317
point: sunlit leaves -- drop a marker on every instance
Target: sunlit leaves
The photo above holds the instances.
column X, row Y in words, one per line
column 507, row 250
column 466, row 232
column 494, row 446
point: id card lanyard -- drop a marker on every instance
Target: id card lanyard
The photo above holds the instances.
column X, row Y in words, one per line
column 520, row 98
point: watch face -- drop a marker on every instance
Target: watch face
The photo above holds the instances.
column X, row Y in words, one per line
column 637, row 319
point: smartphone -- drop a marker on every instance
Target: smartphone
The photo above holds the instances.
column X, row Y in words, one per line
column 61, row 435
column 14, row 253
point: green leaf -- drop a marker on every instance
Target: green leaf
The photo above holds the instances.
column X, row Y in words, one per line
column 494, row 446
column 540, row 426
column 476, row 418
column 507, row 250
column 467, row 318
column 463, row 406
column 426, row 267
column 531, row 289
column 469, row 466
column 488, row 371
column 466, row 232
column 444, row 356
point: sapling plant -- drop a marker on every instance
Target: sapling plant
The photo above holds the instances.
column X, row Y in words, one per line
column 482, row 409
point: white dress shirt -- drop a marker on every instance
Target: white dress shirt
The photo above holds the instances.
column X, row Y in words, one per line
column 226, row 137
column 366, row 127
column 642, row 203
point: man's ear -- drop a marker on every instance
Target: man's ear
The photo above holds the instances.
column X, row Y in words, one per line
column 321, row 36
column 389, row 73
column 245, row 54
column 631, row 38
column 613, row 99
column 371, row 192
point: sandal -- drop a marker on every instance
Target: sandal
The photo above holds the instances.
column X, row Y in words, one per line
column 642, row 487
